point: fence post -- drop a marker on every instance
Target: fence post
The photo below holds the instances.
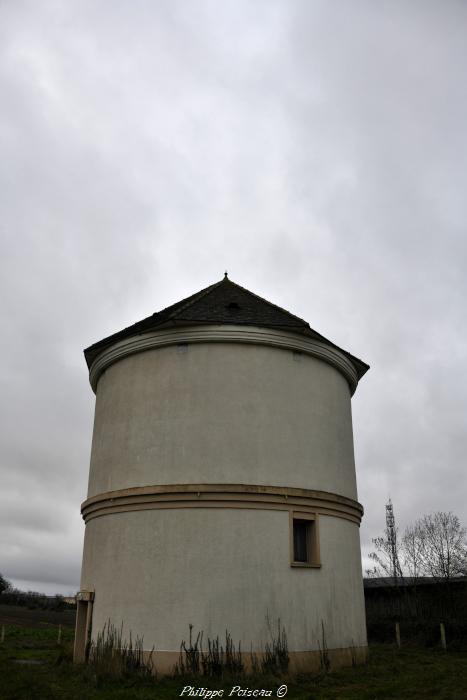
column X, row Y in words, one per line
column 2, row 638
column 443, row 635
column 59, row 636
column 398, row 635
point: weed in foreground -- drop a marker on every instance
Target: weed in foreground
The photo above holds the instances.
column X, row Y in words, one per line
column 112, row 655
column 227, row 661
column 324, row 660
column 190, row 657
column 276, row 653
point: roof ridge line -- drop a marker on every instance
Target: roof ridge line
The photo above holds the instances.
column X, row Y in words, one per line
column 270, row 303
column 195, row 298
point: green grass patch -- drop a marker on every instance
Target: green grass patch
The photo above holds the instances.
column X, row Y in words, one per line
column 412, row 673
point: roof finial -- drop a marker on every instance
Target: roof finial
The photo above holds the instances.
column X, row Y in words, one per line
column 225, row 275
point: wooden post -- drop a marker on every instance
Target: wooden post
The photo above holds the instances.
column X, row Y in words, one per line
column 443, row 635
column 59, row 636
column 3, row 634
column 88, row 628
column 398, row 635
column 83, row 626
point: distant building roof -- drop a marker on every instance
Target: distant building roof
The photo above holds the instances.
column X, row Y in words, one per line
column 224, row 302
column 390, row 582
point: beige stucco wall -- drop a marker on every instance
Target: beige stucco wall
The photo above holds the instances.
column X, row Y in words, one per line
column 159, row 570
column 222, row 413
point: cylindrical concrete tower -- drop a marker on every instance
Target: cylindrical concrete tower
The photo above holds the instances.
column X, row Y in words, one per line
column 222, row 487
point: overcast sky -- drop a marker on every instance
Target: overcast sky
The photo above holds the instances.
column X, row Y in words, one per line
column 315, row 150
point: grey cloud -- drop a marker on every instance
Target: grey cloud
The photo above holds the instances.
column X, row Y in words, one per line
column 315, row 150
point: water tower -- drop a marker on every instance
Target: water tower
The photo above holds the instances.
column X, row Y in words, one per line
column 222, row 488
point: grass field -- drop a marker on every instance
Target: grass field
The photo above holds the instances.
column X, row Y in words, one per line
column 34, row 667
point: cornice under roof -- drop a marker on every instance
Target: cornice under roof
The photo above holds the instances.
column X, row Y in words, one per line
column 224, row 302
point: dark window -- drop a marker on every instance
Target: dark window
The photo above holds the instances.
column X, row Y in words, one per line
column 301, row 540
column 304, row 540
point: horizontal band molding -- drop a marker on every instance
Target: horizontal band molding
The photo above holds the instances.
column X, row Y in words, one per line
column 250, row 335
column 239, row 496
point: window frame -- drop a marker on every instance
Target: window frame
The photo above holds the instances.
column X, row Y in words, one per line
column 313, row 560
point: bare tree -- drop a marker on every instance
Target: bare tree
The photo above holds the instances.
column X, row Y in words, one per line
column 442, row 546
column 435, row 546
column 412, row 544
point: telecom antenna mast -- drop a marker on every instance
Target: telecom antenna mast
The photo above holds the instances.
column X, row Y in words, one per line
column 391, row 534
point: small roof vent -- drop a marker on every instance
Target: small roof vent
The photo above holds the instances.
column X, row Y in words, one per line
column 233, row 306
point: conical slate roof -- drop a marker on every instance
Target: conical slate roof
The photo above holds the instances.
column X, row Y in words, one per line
column 224, row 302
